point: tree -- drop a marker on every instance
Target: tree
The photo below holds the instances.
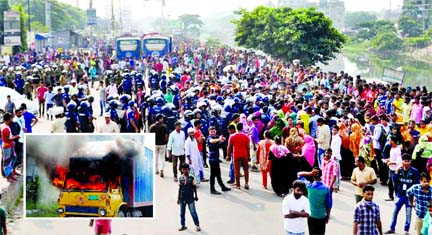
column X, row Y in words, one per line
column 410, row 27
column 191, row 25
column 4, row 6
column 288, row 34
column 352, row 19
column 23, row 28
column 386, row 41
column 368, row 30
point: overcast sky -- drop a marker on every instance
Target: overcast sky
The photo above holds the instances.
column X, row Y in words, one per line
column 174, row 8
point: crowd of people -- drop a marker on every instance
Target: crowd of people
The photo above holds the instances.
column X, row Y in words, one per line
column 285, row 120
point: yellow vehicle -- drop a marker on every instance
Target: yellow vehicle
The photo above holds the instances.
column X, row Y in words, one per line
column 100, row 182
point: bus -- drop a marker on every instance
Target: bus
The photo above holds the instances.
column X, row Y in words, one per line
column 156, row 46
column 129, row 47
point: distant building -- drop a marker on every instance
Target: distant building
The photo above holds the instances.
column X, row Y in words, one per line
column 335, row 10
column 296, row 3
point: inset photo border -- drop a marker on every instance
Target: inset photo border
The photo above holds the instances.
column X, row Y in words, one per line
column 89, row 175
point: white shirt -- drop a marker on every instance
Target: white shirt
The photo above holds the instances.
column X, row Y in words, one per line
column 323, row 137
column 58, row 126
column 336, row 144
column 111, row 127
column 296, row 225
column 176, row 143
column 191, row 149
column 395, row 156
column 21, row 123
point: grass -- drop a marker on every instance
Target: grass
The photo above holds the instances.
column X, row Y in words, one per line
column 42, row 211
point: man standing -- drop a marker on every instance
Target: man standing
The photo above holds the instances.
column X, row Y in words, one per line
column 161, row 132
column 367, row 216
column 213, row 142
column 176, row 148
column 48, row 97
column 405, row 177
column 200, row 138
column 8, row 160
column 19, row 143
column 107, row 126
column 320, row 201
column 323, row 139
column 295, row 207
column 29, row 119
column 102, row 96
column 254, row 136
column 420, row 193
column 330, row 170
column 362, row 175
column 238, row 145
column 10, row 105
column 193, row 155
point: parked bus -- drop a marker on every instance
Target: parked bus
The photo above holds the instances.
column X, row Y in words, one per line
column 128, row 47
column 156, row 45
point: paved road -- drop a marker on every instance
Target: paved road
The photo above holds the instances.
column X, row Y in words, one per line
column 253, row 212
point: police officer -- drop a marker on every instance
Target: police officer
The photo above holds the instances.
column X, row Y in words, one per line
column 19, row 83
column 71, row 118
column 85, row 118
column 127, row 84
column 112, row 109
column 65, row 95
column 132, row 122
column 153, row 80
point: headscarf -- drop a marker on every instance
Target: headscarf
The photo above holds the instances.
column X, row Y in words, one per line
column 279, row 151
column 355, row 139
column 294, row 142
column 424, row 144
column 309, row 150
column 344, row 135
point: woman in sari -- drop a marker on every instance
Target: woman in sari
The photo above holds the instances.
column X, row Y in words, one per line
column 279, row 164
column 366, row 146
column 347, row 162
column 262, row 154
column 355, row 139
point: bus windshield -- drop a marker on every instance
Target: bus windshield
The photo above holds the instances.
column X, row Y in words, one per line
column 155, row 44
column 128, row 45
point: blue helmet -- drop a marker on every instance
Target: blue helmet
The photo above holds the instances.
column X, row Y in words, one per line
column 265, row 99
column 131, row 103
column 228, row 109
column 239, row 95
column 165, row 109
column 18, row 75
column 84, row 104
column 124, row 98
column 160, row 101
column 139, row 75
column 110, row 98
column 113, row 104
column 71, row 105
column 188, row 114
column 66, row 89
column 219, row 99
column 90, row 98
column 258, row 99
column 237, row 100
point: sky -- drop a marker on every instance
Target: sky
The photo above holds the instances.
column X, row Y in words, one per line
column 141, row 8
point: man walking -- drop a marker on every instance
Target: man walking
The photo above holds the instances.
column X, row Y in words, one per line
column 320, row 201
column 367, row 216
column 238, row 145
column 330, row 170
column 10, row 105
column 107, row 126
column 323, row 139
column 176, row 148
column 161, row 132
column 362, row 175
column 420, row 193
column 405, row 177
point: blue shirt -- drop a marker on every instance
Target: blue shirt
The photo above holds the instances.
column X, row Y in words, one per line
column 404, row 180
column 320, row 199
column 421, row 199
column 28, row 119
column 213, row 149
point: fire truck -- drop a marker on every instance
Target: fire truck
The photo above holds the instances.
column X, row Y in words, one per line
column 105, row 180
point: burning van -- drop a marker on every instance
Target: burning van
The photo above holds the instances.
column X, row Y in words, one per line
column 106, row 179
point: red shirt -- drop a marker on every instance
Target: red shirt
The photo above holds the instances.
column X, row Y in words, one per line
column 6, row 132
column 41, row 92
column 198, row 134
column 239, row 141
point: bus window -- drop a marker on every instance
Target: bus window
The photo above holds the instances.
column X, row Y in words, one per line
column 155, row 44
column 128, row 45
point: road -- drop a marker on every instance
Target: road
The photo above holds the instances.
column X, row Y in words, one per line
column 247, row 212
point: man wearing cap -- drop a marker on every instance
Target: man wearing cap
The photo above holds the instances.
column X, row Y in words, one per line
column 176, row 148
column 193, row 156
column 162, row 133
column 73, row 89
column 405, row 177
column 320, row 201
column 107, row 126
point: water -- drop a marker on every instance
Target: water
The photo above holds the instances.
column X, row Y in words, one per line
column 417, row 73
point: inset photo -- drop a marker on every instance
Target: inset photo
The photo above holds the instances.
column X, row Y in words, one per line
column 96, row 175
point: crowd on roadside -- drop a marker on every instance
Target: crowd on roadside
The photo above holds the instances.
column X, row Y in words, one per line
column 286, row 120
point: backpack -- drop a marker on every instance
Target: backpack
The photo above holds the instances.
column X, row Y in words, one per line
column 383, row 138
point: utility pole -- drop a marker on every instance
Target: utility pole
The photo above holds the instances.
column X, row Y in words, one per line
column 120, row 18
column 112, row 17
column 162, row 15
column 28, row 15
